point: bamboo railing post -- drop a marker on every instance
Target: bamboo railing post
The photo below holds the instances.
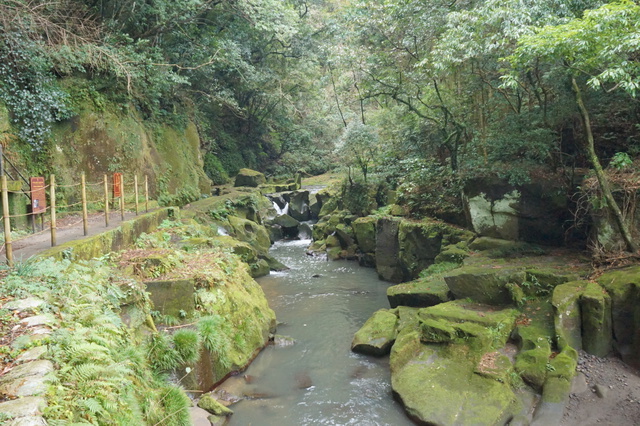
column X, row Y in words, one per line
column 106, row 202
column 52, row 201
column 122, row 198
column 85, row 217
column 7, row 222
column 146, row 193
column 135, row 185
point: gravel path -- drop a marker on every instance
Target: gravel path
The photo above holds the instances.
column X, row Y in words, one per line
column 605, row 392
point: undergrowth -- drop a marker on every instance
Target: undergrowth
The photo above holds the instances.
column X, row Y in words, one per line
column 103, row 374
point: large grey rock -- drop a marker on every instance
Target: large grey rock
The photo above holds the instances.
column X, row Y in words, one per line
column 45, row 319
column 32, row 354
column 199, row 417
column 364, row 229
column 299, row 205
column 24, row 386
column 28, row 421
column 24, row 304
column 533, row 212
column 24, row 407
column 34, row 368
column 248, row 177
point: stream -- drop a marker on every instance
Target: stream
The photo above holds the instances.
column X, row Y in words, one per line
column 317, row 380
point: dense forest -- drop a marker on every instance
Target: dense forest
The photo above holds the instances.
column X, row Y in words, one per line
column 419, row 96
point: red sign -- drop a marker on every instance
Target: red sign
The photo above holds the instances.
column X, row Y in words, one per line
column 117, row 185
column 38, row 195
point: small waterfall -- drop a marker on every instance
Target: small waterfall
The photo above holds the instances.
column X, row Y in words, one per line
column 281, row 211
column 222, row 231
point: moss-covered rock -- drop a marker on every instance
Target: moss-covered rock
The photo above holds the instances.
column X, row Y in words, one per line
column 567, row 316
column 623, row 286
column 377, row 334
column 440, row 387
column 452, row 254
column 364, row 229
column 483, row 285
column 173, row 297
column 596, row 320
column 419, row 293
column 209, row 403
column 250, row 232
column 251, row 178
column 489, row 327
column 437, row 331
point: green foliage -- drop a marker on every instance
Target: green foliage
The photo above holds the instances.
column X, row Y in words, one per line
column 620, row 161
column 183, row 196
column 215, row 337
column 214, row 169
column 187, row 344
column 103, row 375
column 429, row 189
column 438, row 268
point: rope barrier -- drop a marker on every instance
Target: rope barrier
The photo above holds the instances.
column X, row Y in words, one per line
column 128, row 201
column 73, row 185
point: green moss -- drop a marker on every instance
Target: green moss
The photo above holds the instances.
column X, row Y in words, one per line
column 567, row 315
column 209, row 403
column 377, row 334
column 438, row 388
column 364, row 229
column 596, row 320
column 437, row 331
column 419, row 293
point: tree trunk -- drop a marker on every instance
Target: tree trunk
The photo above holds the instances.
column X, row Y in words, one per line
column 602, row 179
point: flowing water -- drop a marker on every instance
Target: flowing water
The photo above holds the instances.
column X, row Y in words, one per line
column 317, row 380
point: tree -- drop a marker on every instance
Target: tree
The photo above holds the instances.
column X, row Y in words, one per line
column 603, row 46
column 358, row 146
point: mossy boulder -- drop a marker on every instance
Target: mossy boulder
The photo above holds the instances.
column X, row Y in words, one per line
column 623, row 286
column 489, row 243
column 419, row 293
column 596, row 320
column 567, row 315
column 377, row 334
column 251, row 178
column 250, row 232
column 439, row 386
column 482, row 284
column 364, row 229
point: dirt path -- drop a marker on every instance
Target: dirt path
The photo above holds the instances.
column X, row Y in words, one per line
column 606, row 392
column 70, row 228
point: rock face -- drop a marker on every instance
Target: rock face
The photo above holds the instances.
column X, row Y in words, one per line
column 623, row 286
column 388, row 250
column 251, row 178
column 534, row 212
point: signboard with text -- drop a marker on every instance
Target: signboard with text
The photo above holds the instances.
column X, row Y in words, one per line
column 38, row 195
column 117, row 185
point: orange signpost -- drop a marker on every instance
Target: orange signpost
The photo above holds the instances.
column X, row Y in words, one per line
column 38, row 195
column 117, row 185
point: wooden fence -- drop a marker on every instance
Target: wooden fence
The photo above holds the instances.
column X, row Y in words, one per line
column 112, row 192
